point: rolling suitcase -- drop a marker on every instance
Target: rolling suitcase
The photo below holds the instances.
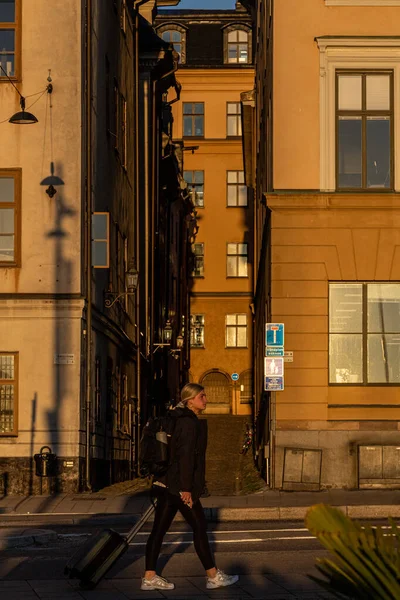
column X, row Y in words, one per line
column 100, row 552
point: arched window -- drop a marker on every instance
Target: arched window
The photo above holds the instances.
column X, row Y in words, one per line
column 237, row 46
column 218, row 388
column 175, row 35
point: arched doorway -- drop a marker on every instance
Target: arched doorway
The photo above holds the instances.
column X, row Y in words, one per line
column 219, row 392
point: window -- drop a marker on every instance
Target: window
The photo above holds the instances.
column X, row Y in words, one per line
column 97, row 390
column 197, row 331
column 198, row 250
column 9, row 38
column 8, row 393
column 195, row 181
column 246, row 387
column 175, row 35
column 100, row 240
column 236, row 331
column 365, row 56
column 237, row 45
column 236, row 260
column 234, row 119
column 364, row 130
column 236, row 189
column 10, row 201
column 364, row 333
column 193, row 119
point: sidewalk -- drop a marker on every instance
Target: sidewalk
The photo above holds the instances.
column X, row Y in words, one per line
column 269, row 505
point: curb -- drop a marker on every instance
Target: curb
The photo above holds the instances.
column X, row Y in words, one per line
column 35, row 536
column 213, row 515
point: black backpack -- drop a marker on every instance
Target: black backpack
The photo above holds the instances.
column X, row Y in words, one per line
column 154, row 445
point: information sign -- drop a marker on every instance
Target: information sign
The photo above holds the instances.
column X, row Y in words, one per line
column 275, row 334
column 274, row 384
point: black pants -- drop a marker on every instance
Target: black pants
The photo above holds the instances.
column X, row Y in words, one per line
column 166, row 509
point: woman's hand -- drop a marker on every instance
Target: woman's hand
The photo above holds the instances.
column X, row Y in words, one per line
column 186, row 498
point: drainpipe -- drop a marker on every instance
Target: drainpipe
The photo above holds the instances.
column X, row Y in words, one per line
column 88, row 224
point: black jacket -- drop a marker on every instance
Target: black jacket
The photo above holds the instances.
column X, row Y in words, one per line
column 188, row 446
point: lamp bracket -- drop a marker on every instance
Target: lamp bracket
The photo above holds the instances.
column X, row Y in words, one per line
column 111, row 298
column 163, row 345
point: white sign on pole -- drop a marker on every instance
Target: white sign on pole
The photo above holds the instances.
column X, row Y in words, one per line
column 273, row 366
column 288, row 356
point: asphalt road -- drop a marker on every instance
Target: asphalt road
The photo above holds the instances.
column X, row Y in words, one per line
column 273, row 560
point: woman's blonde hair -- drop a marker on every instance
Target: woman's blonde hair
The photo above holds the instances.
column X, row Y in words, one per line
column 189, row 391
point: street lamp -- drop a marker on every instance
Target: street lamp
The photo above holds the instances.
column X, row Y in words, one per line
column 166, row 336
column 131, row 279
column 23, row 117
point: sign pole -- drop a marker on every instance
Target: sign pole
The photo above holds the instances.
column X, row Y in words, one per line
column 272, row 440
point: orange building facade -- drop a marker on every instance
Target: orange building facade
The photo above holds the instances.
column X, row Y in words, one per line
column 208, row 119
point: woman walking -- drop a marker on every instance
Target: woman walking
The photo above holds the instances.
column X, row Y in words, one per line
column 181, row 489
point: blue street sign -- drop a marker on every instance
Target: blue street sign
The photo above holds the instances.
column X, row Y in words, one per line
column 274, row 384
column 235, row 376
column 274, row 334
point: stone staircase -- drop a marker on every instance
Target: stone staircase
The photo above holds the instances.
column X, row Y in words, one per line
column 223, row 461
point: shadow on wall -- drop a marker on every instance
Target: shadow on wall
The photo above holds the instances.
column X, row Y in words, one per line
column 61, row 335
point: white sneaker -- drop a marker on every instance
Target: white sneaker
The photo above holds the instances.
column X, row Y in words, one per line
column 156, row 583
column 221, row 580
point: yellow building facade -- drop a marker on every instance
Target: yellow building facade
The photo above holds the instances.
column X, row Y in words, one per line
column 208, row 119
column 332, row 216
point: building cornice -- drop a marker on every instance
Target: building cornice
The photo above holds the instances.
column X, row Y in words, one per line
column 377, row 3
column 328, row 41
column 307, row 201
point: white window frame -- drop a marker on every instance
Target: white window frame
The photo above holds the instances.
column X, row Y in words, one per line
column 236, row 326
column 362, row 2
column 353, row 53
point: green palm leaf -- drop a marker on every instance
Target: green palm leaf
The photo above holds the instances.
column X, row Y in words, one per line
column 365, row 561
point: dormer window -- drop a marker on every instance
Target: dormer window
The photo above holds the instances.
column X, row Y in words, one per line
column 237, row 46
column 176, row 36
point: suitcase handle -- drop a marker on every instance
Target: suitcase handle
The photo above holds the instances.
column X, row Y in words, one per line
column 138, row 526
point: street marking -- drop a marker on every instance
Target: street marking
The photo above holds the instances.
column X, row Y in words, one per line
column 187, row 542
column 257, row 540
column 234, row 531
